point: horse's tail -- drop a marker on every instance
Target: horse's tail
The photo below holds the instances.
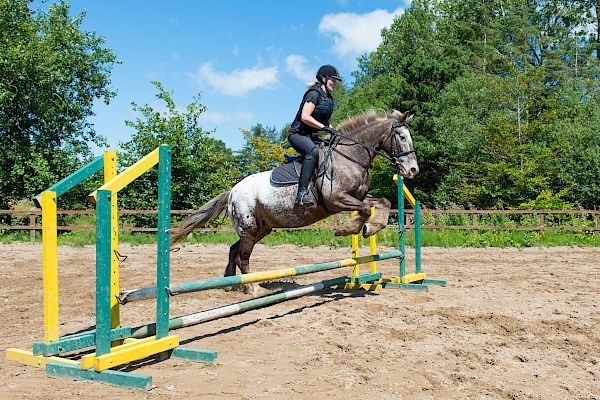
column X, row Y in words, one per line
column 201, row 217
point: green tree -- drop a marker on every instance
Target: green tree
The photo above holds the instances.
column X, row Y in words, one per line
column 575, row 160
column 408, row 71
column 202, row 166
column 493, row 84
column 263, row 149
column 51, row 72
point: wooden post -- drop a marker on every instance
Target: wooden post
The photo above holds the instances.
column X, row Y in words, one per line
column 401, row 226
column 50, row 266
column 354, row 242
column 110, row 171
column 373, row 245
column 164, row 242
column 32, row 225
column 103, row 257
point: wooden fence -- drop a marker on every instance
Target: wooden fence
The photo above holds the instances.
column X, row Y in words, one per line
column 431, row 219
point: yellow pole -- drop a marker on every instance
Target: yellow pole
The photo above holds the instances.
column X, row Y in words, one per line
column 129, row 175
column 408, row 195
column 373, row 245
column 110, row 171
column 50, row 267
column 356, row 268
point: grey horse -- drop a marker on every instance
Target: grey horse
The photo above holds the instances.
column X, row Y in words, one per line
column 255, row 205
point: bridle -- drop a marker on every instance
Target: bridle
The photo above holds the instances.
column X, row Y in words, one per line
column 394, row 159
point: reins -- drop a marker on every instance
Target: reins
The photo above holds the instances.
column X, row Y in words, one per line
column 394, row 159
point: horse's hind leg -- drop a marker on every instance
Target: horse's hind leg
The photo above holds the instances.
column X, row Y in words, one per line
column 245, row 249
column 243, row 259
column 233, row 253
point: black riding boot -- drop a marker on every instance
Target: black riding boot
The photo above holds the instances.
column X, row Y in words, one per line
column 308, row 166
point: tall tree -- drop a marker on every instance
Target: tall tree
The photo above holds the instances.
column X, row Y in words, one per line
column 490, row 82
column 51, row 72
column 202, row 166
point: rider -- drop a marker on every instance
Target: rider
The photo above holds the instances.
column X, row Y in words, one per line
column 312, row 116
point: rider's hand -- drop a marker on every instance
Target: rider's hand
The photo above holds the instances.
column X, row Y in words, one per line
column 329, row 130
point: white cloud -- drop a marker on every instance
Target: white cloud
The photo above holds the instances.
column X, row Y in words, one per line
column 355, row 34
column 297, row 65
column 217, row 117
column 238, row 82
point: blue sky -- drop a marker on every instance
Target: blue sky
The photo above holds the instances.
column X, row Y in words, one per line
column 249, row 61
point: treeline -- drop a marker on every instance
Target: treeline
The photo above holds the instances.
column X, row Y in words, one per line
column 505, row 95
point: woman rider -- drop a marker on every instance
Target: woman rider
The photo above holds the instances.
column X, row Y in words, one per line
column 312, row 116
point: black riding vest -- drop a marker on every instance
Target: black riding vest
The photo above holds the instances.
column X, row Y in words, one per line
column 322, row 113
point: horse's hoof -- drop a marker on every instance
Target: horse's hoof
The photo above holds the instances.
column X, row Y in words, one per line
column 371, row 229
column 235, row 288
column 366, row 231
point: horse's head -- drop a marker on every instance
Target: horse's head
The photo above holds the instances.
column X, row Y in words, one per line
column 399, row 145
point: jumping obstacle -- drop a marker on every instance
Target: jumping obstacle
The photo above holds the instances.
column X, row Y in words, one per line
column 116, row 345
column 47, row 201
column 412, row 281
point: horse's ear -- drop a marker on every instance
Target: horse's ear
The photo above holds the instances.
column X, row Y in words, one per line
column 397, row 115
column 409, row 118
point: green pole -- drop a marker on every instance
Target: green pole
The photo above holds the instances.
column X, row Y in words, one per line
column 73, row 180
column 254, row 277
column 164, row 239
column 103, row 257
column 401, row 228
column 418, row 236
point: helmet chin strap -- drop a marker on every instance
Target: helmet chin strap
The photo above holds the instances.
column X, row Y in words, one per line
column 325, row 85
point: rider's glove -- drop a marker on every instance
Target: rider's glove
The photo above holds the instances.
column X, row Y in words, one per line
column 329, row 130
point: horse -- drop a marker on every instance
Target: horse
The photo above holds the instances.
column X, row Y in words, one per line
column 256, row 206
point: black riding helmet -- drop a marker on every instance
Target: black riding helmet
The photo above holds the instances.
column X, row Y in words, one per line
column 328, row 71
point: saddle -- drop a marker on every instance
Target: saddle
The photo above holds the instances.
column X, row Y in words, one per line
column 288, row 174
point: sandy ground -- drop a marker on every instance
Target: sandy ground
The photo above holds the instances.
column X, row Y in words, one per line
column 511, row 324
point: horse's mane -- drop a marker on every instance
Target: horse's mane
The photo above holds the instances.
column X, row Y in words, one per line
column 358, row 121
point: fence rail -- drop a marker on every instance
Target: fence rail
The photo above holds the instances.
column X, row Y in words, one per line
column 474, row 216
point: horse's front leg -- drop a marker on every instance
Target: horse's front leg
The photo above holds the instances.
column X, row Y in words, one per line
column 379, row 219
column 346, row 202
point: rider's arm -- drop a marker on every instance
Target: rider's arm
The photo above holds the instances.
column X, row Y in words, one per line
column 306, row 116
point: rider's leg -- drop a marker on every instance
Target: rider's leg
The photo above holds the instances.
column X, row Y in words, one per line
column 305, row 146
column 308, row 167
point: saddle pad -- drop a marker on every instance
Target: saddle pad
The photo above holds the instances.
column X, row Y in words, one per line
column 286, row 174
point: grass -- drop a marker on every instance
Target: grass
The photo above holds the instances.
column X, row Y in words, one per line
column 313, row 238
